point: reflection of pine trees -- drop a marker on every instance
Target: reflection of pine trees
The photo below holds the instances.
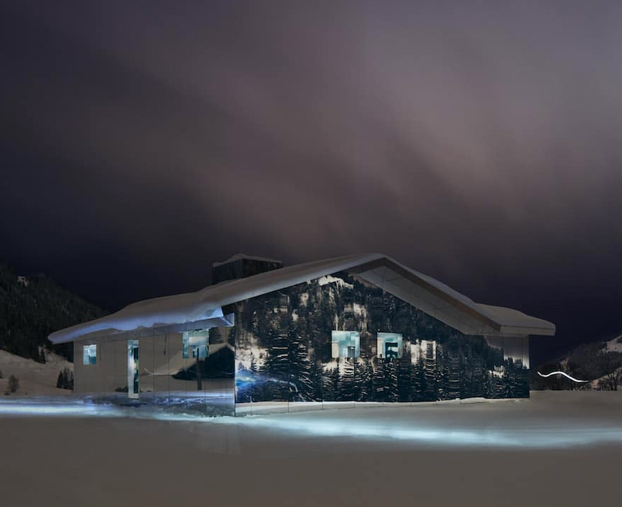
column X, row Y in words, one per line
column 433, row 371
column 316, row 381
column 385, row 380
column 379, row 383
column 476, row 376
column 276, row 367
column 366, row 380
column 418, row 380
column 299, row 366
column 390, row 369
column 404, row 376
column 293, row 328
column 452, row 378
column 330, row 385
column 348, row 389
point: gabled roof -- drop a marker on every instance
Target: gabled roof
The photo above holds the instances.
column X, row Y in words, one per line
column 424, row 292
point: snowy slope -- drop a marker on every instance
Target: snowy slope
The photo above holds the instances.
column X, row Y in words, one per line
column 35, row 379
column 614, row 345
column 592, row 361
column 601, row 382
column 559, row 449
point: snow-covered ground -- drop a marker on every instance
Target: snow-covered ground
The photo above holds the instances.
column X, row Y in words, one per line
column 558, row 449
column 614, row 345
column 35, row 379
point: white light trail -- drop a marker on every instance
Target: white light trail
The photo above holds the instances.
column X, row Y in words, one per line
column 564, row 374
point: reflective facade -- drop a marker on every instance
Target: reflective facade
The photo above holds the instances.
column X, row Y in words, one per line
column 154, row 370
column 339, row 339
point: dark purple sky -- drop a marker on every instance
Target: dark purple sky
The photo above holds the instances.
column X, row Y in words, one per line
column 478, row 142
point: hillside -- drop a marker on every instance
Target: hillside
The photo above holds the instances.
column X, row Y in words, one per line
column 599, row 362
column 33, row 307
column 35, row 378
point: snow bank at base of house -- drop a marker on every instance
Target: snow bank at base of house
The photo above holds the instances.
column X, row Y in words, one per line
column 35, row 379
column 274, row 407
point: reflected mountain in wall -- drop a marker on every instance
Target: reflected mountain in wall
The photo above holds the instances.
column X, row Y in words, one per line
column 218, row 364
column 599, row 363
column 31, row 307
column 284, row 349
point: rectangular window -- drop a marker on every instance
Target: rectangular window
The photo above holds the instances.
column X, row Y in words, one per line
column 196, row 344
column 346, row 344
column 89, row 354
column 389, row 345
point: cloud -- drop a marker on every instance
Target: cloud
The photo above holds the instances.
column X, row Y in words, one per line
column 479, row 143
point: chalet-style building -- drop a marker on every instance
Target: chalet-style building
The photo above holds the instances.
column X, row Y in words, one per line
column 343, row 331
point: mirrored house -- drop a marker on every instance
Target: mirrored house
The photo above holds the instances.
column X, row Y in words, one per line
column 355, row 329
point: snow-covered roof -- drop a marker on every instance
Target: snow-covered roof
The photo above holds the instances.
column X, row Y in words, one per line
column 424, row 292
column 513, row 319
column 241, row 256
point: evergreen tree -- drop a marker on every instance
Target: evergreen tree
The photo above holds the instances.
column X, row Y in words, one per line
column 253, row 366
column 433, row 372
column 330, row 385
column 277, row 361
column 299, row 364
column 13, row 383
column 366, row 382
column 65, row 379
column 348, row 382
column 404, row 376
column 379, row 381
column 418, row 385
column 390, row 372
column 315, row 376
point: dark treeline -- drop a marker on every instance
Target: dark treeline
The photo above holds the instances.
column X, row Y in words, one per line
column 33, row 307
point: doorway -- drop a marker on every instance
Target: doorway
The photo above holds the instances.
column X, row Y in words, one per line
column 133, row 389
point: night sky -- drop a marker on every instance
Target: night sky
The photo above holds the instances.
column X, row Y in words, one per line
column 477, row 142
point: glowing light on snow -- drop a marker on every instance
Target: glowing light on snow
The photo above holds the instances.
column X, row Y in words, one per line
column 562, row 436
column 564, row 374
column 60, row 409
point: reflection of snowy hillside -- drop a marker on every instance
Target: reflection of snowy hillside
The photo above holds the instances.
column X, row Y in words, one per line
column 249, row 352
column 331, row 279
column 35, row 379
column 599, row 362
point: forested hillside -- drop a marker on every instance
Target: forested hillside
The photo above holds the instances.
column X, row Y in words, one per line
column 32, row 307
column 599, row 363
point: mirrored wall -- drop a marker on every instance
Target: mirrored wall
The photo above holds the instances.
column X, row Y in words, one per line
column 190, row 371
column 339, row 339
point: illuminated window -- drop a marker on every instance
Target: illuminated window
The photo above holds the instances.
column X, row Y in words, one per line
column 196, row 344
column 346, row 344
column 389, row 345
column 89, row 354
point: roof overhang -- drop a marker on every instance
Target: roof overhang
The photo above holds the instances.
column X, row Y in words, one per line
column 422, row 291
column 448, row 305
